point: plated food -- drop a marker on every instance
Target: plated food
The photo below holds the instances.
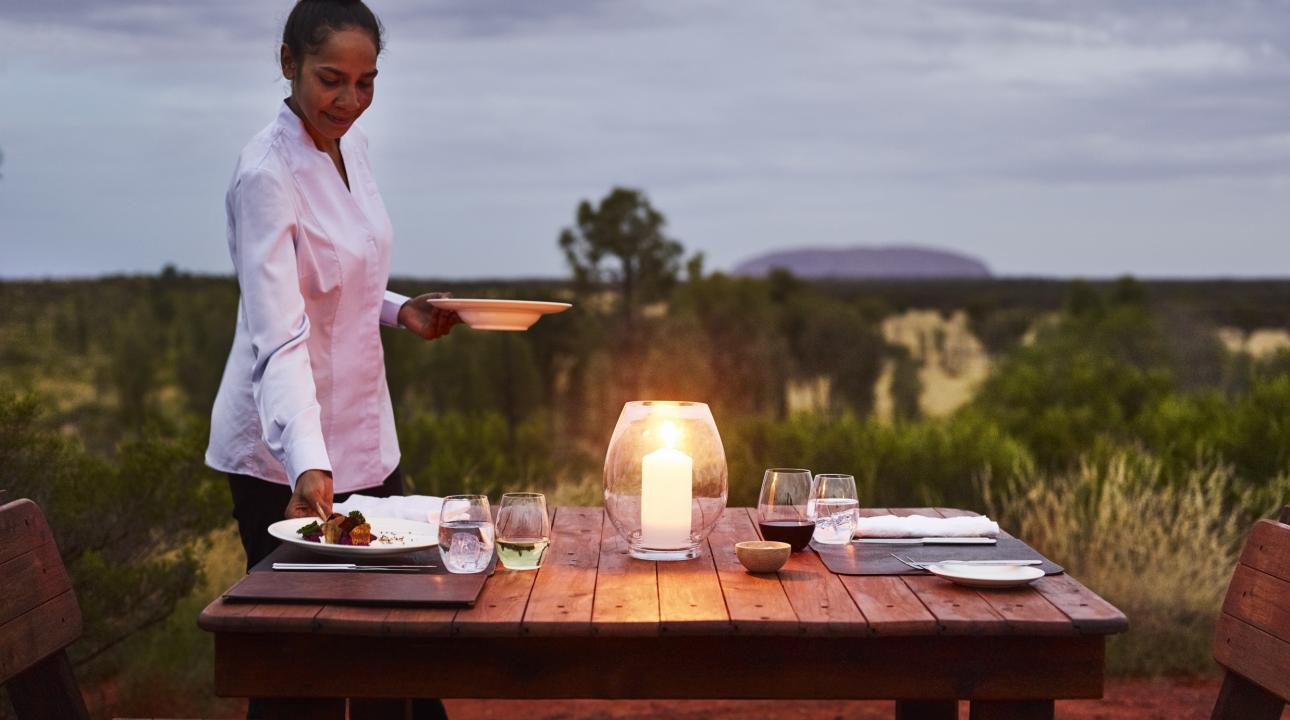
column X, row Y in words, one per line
column 512, row 315
column 352, row 529
column 354, row 534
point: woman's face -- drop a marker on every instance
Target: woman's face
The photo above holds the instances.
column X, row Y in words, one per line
column 332, row 87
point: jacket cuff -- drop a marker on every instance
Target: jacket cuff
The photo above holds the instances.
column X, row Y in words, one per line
column 390, row 308
column 305, row 455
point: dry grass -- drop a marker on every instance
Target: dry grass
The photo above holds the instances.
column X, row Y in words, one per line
column 1161, row 549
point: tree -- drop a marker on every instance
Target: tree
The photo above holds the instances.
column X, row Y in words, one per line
column 130, row 528
column 626, row 228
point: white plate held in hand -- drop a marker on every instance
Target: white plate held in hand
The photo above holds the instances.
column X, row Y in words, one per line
column 513, row 315
column 390, row 536
column 987, row 576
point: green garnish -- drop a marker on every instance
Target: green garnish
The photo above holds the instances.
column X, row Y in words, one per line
column 357, row 517
column 310, row 529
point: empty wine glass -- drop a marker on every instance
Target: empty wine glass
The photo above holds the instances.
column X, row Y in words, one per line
column 466, row 533
column 835, row 508
column 782, row 507
column 523, row 530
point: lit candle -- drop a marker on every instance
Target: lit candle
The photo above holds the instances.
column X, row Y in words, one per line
column 666, row 476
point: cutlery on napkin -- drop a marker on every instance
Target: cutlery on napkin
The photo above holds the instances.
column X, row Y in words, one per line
column 342, row 567
column 928, row 541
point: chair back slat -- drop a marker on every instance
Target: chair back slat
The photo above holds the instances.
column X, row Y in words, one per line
column 39, row 615
column 1252, row 637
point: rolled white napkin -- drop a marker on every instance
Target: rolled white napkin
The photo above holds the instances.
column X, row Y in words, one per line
column 422, row 508
column 918, row 526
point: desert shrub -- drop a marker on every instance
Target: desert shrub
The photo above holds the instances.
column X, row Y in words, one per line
column 1160, row 549
column 129, row 527
column 455, row 452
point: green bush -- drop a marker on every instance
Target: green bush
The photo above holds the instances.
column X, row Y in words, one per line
column 930, row 463
column 129, row 527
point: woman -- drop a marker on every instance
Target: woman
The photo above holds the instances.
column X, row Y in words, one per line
column 303, row 413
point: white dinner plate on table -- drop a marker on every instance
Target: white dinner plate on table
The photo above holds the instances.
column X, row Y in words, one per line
column 987, row 576
column 390, row 536
column 512, row 315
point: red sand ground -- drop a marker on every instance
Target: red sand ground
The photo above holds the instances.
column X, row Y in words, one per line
column 1167, row 699
column 1182, row 698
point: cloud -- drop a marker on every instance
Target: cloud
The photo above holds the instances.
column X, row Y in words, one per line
column 752, row 123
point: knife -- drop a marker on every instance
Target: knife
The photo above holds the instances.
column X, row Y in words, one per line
column 929, row 541
column 340, row 567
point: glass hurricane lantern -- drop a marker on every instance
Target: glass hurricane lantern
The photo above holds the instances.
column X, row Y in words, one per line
column 665, row 478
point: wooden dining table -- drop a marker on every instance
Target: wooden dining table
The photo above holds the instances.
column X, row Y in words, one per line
column 594, row 622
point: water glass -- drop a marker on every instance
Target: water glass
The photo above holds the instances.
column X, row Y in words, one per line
column 781, row 508
column 466, row 533
column 836, row 508
column 523, row 530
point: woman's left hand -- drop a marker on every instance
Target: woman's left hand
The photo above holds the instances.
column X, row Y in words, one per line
column 426, row 320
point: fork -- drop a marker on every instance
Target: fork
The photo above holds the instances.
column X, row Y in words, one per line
column 922, row 565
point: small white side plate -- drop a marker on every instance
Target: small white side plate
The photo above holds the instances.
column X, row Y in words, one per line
column 512, row 315
column 987, row 576
column 413, row 536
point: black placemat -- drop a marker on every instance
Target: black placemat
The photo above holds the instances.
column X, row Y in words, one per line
column 430, row 588
column 876, row 559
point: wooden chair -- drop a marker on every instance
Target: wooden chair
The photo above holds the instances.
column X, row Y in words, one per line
column 1252, row 639
column 39, row 618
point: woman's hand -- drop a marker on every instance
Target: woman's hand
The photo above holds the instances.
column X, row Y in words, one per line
column 313, row 493
column 426, row 320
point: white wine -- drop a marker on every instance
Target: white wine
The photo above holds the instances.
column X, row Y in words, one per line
column 522, row 553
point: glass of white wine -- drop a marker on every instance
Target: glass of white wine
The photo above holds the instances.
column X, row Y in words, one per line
column 523, row 530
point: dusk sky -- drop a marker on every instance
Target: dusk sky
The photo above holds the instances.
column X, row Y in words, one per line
column 1046, row 137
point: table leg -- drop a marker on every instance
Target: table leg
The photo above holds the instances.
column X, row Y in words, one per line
column 303, row 709
column 927, row 710
column 1011, row 710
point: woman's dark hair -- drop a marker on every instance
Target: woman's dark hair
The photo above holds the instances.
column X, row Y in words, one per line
column 312, row 21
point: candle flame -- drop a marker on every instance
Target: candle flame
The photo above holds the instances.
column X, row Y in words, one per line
column 670, row 432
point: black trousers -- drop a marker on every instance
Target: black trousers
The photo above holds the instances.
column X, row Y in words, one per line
column 257, row 504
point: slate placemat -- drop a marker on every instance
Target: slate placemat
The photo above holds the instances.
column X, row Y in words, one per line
column 430, row 588
column 876, row 559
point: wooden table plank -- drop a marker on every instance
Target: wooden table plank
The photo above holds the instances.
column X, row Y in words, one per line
column 1090, row 614
column 349, row 620
column 817, row 596
column 420, row 622
column 626, row 589
column 955, row 512
column 756, row 602
column 499, row 609
column 1027, row 612
column 689, row 597
column 282, row 617
column 565, row 587
column 958, row 610
column 891, row 608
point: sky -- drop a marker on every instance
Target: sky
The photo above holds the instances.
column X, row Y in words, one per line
column 1047, row 137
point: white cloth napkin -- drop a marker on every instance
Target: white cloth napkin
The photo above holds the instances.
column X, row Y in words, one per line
column 422, row 508
column 918, row 526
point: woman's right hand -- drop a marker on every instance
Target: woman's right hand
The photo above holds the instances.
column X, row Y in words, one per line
column 313, row 492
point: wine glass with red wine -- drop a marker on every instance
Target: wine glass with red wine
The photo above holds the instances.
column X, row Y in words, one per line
column 781, row 509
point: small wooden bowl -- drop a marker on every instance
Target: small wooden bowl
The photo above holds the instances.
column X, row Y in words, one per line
column 763, row 556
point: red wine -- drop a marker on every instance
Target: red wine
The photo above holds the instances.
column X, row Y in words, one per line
column 794, row 532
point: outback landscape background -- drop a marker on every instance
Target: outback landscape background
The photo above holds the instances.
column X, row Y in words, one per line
column 1130, row 429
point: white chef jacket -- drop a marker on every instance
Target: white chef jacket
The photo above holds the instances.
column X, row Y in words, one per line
column 304, row 387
